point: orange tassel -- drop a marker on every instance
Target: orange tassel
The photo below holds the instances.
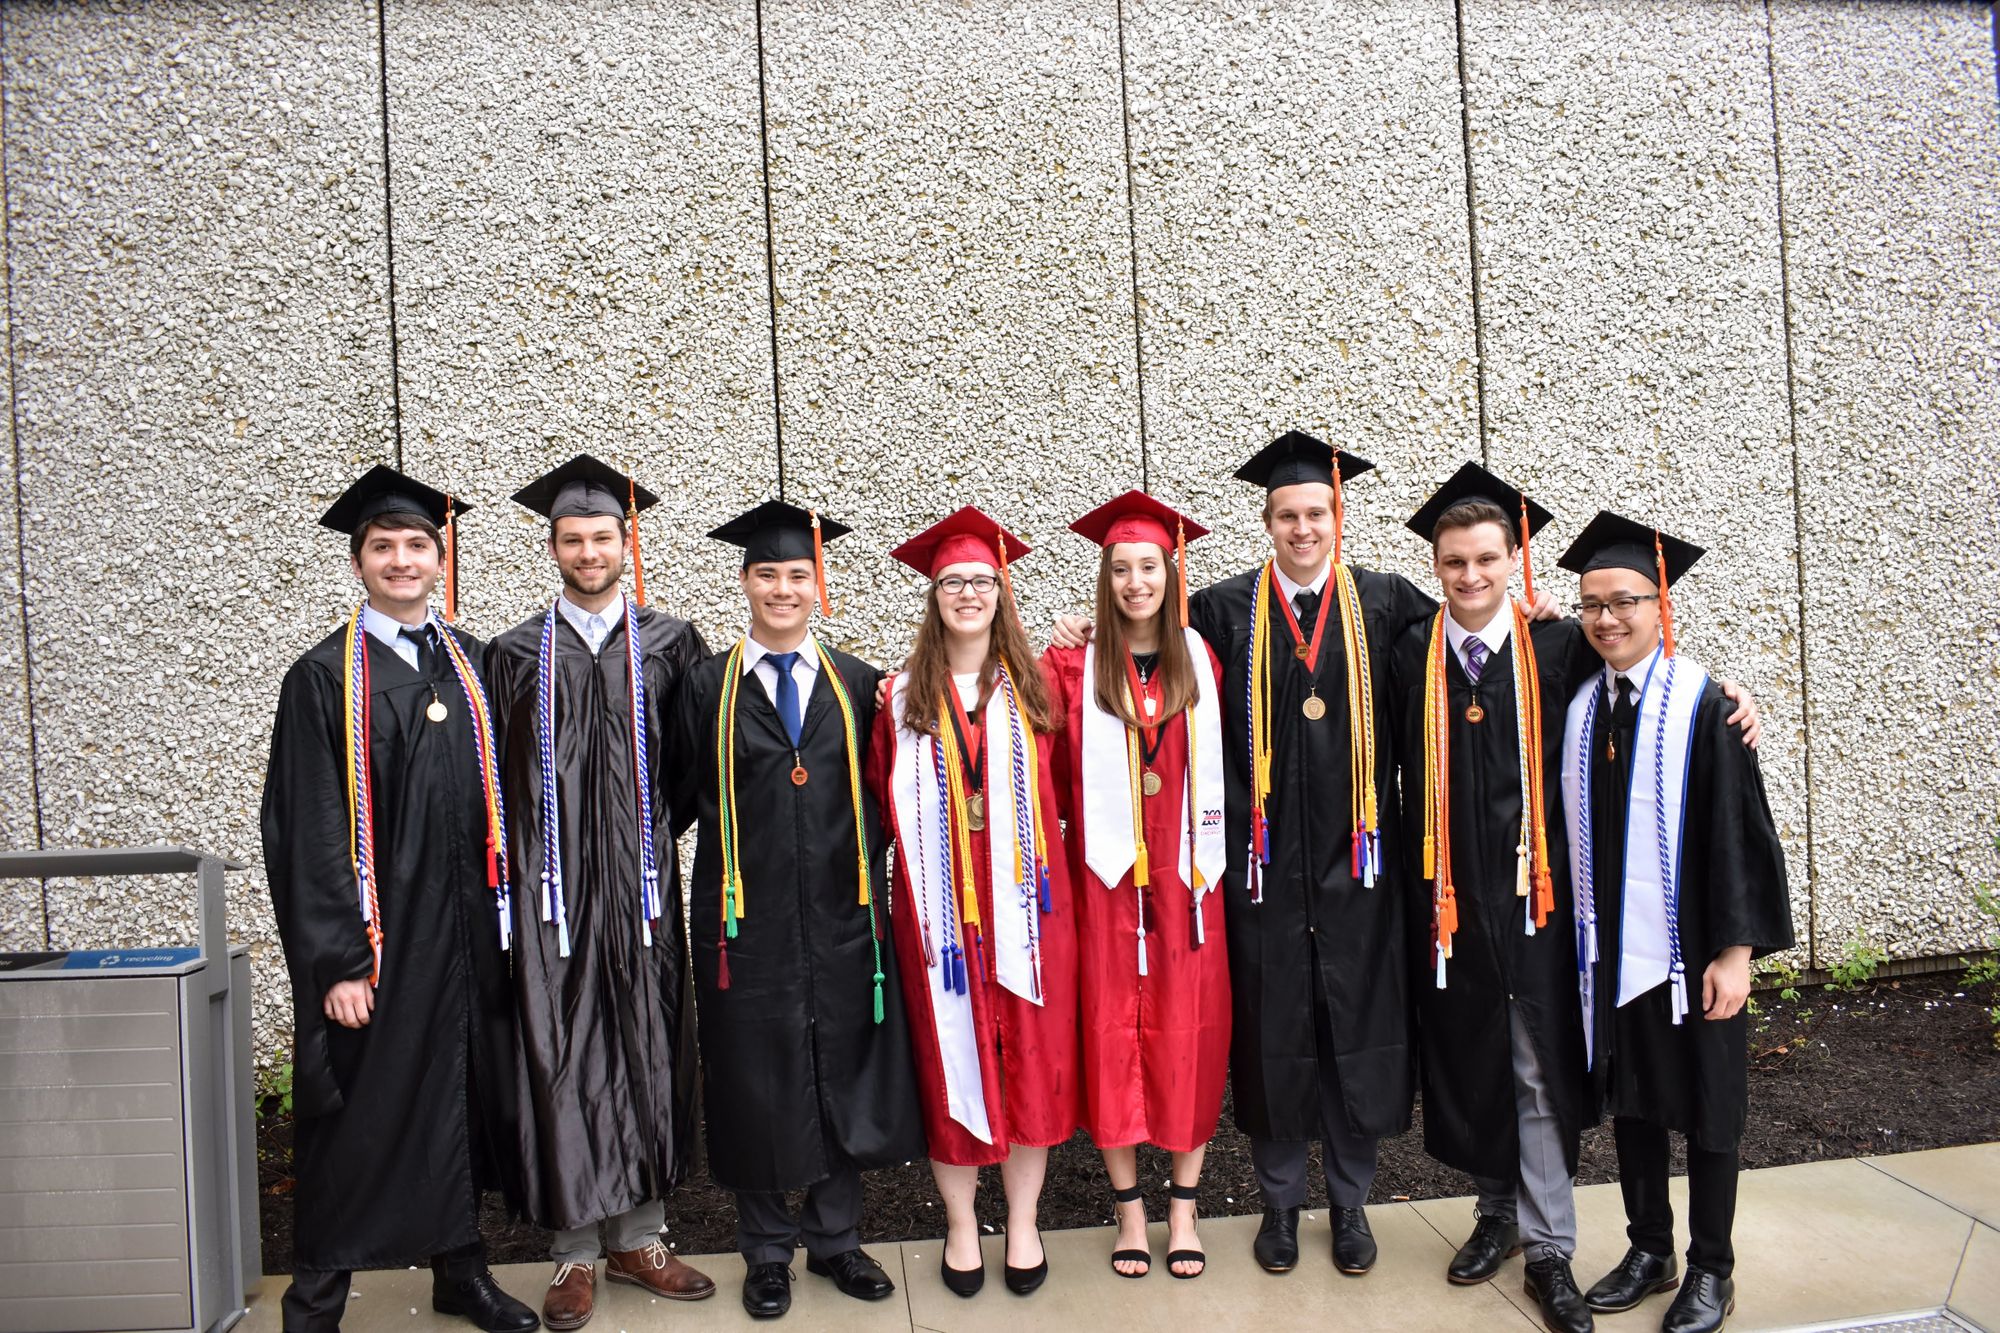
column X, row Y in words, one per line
column 1180, row 563
column 1339, row 508
column 1527, row 565
column 1006, row 579
column 450, row 560
column 819, row 568
column 1666, row 599
column 638, row 561
column 1545, row 897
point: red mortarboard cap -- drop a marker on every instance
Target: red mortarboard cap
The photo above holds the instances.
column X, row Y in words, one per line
column 965, row 536
column 1137, row 517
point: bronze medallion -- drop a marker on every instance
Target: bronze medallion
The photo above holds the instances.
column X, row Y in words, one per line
column 1314, row 707
column 975, row 811
column 1150, row 784
column 1474, row 713
column 1302, row 652
column 799, row 775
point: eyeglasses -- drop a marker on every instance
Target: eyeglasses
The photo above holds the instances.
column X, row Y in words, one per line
column 1620, row 607
column 952, row 585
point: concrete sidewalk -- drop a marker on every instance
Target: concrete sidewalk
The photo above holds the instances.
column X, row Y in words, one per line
column 1848, row 1244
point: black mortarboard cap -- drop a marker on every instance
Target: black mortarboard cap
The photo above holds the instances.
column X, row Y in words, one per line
column 1297, row 457
column 1612, row 541
column 584, row 488
column 383, row 490
column 775, row 530
column 1473, row 482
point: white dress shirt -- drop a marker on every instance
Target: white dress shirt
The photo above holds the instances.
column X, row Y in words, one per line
column 389, row 631
column 1292, row 590
column 804, row 671
column 1495, row 634
column 594, row 626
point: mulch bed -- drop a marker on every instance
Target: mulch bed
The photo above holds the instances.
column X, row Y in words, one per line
column 1895, row 1067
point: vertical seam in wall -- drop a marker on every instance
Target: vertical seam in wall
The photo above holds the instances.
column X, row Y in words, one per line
column 1798, row 499
column 1472, row 236
column 20, row 509
column 389, row 233
column 1132, row 244
column 770, row 247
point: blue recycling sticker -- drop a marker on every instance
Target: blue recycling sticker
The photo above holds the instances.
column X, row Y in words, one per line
column 124, row 960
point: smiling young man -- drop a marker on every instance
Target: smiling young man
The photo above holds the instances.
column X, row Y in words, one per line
column 805, row 1057
column 377, row 825
column 1679, row 881
column 581, row 690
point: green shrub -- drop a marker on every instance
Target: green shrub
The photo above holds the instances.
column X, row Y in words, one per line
column 1857, row 964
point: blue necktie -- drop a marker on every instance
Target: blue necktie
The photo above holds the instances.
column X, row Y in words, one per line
column 1475, row 658
column 788, row 695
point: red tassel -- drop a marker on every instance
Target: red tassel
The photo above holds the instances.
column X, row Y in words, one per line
column 450, row 560
column 819, row 568
column 492, row 866
column 1666, row 599
column 638, row 560
column 722, row 967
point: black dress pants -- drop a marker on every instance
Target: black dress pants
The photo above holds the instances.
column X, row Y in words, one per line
column 1649, row 1214
column 317, row 1298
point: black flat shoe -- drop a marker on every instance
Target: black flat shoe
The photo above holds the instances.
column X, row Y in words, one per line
column 478, row 1298
column 767, row 1290
column 854, row 1273
column 1022, row 1281
column 1186, row 1194
column 1550, row 1283
column 1637, row 1276
column 1702, row 1305
column 1353, row 1242
column 1132, row 1195
column 961, row 1281
column 1277, row 1243
column 1494, row 1240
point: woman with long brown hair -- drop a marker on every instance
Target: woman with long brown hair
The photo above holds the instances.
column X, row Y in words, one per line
column 985, row 939
column 1140, row 762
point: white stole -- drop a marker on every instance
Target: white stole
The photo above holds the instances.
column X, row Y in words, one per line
column 923, row 849
column 1109, row 839
column 1655, row 813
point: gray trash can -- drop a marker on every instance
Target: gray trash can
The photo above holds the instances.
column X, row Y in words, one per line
column 128, row 1185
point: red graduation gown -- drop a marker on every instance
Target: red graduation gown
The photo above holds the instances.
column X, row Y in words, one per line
column 1155, row 1048
column 1027, row 1052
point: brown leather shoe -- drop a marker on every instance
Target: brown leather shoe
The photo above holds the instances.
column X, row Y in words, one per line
column 658, row 1272
column 571, row 1293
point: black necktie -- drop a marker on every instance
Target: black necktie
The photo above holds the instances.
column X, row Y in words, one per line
column 426, row 648
column 1306, row 604
column 1625, row 712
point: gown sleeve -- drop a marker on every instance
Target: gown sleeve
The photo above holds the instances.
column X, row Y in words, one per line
column 1061, row 668
column 1743, row 866
column 684, row 759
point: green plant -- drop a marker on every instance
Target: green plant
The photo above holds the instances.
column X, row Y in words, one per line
column 1986, row 972
column 1857, row 964
column 274, row 1090
column 1783, row 975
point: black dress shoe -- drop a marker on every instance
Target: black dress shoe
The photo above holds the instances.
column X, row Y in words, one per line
column 1022, row 1281
column 961, row 1281
column 1353, row 1242
column 1493, row 1241
column 1705, row 1300
column 478, row 1297
column 1550, row 1282
column 1277, row 1243
column 854, row 1273
column 1637, row 1276
column 767, row 1290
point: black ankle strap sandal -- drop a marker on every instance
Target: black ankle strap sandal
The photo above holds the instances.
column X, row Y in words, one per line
column 1188, row 1193
column 1132, row 1195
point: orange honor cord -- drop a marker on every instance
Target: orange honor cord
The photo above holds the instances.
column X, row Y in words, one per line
column 450, row 560
column 1534, row 845
column 638, row 560
column 1666, row 598
column 819, row 567
column 1180, row 564
column 1527, row 564
column 1437, row 801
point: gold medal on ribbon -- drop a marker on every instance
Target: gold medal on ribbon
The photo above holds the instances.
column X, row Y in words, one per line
column 1150, row 784
column 1314, row 708
column 975, row 811
column 1474, row 713
column 1302, row 652
column 437, row 712
column 798, row 775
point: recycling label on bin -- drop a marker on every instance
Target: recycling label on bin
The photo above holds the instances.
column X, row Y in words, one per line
column 99, row 960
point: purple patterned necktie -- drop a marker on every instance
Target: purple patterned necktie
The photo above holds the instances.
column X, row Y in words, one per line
column 1475, row 658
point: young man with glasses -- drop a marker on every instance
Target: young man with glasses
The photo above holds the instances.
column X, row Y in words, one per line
column 1679, row 882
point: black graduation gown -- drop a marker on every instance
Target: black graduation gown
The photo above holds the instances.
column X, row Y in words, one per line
column 1464, row 1040
column 400, row 1123
column 606, row 1053
column 1319, row 940
column 1694, row 1077
column 798, row 1079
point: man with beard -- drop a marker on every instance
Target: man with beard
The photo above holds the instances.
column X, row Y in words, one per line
column 804, row 1047
column 380, row 825
column 606, row 1066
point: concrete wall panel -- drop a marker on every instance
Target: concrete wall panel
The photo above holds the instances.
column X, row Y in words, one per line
column 1303, row 260
column 198, row 275
column 1626, row 198
column 22, row 923
column 954, row 319
column 1891, row 168
column 580, row 267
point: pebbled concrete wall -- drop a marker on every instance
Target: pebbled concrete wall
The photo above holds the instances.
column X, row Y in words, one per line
column 1724, row 262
